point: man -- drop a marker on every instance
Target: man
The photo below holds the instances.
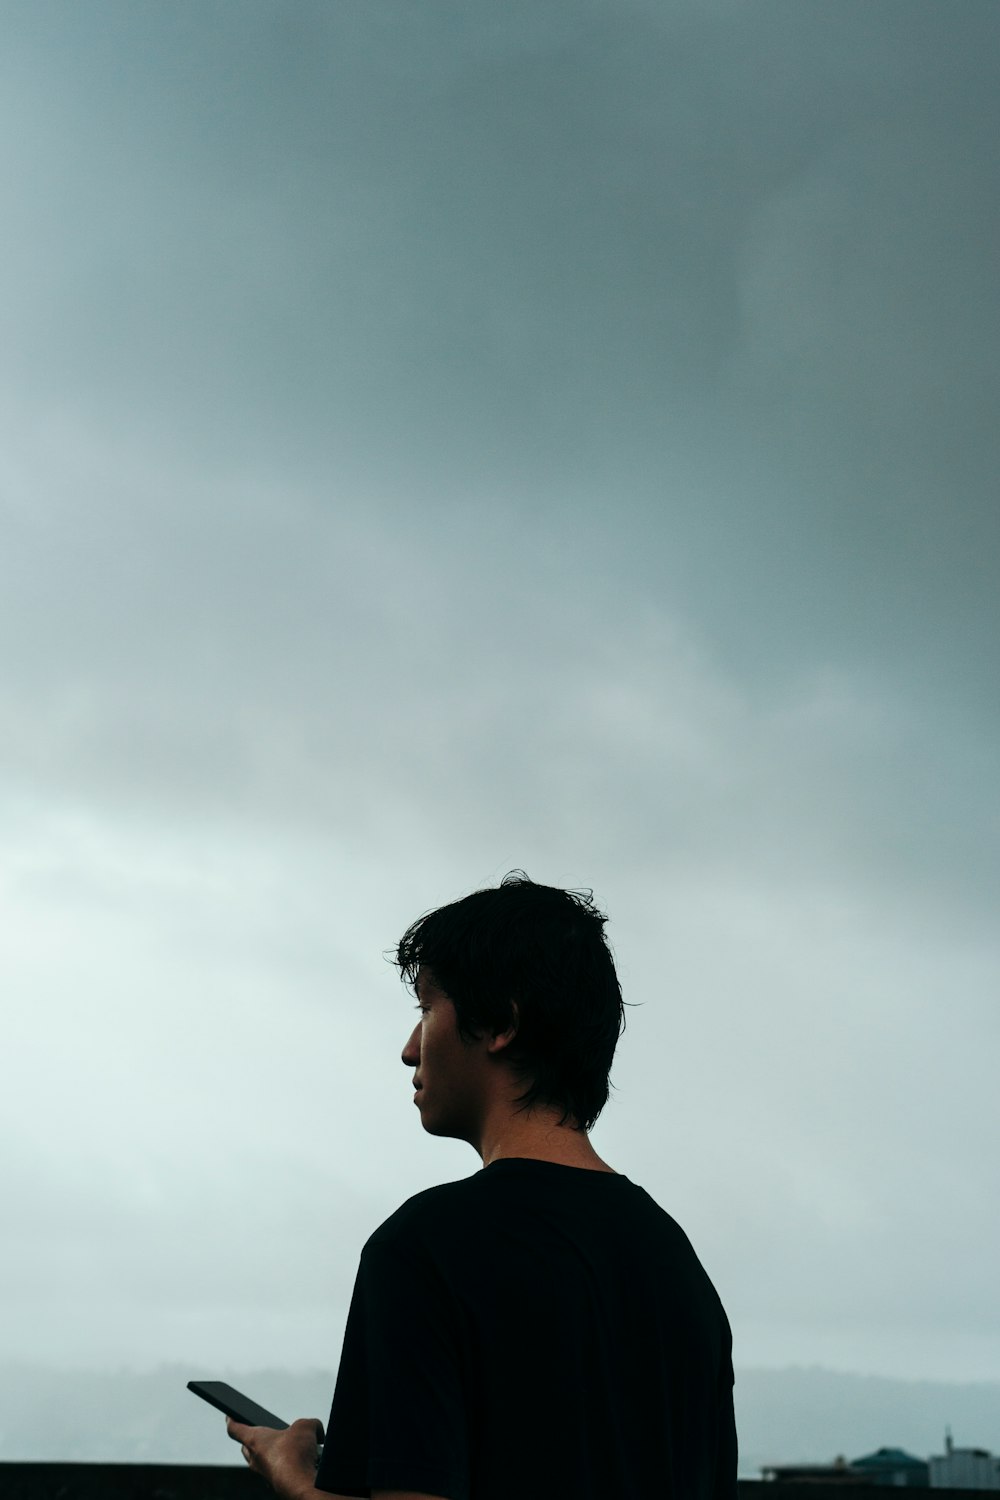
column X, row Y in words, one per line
column 541, row 1328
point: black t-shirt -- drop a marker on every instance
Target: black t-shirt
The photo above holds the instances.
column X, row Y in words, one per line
column 533, row 1330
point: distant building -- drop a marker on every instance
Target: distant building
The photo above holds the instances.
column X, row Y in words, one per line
column 892, row 1466
column 838, row 1472
column 955, row 1469
column 964, row 1469
column 889, row 1466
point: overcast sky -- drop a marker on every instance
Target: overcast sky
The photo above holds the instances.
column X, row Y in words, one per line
column 443, row 438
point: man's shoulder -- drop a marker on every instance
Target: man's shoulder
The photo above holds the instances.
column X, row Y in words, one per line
column 427, row 1213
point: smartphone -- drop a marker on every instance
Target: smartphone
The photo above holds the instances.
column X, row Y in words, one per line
column 234, row 1403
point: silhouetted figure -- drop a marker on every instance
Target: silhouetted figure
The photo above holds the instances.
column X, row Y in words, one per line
column 542, row 1327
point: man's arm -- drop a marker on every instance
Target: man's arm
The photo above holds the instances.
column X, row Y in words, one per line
column 286, row 1458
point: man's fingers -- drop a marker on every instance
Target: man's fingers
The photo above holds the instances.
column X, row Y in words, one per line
column 237, row 1430
column 314, row 1423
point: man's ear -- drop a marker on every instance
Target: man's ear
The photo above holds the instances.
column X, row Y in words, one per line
column 502, row 1039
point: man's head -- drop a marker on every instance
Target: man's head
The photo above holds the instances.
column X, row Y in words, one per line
column 532, row 960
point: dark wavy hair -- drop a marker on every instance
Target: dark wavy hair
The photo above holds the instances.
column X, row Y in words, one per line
column 543, row 949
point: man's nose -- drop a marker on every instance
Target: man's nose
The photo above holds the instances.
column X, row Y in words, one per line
column 411, row 1052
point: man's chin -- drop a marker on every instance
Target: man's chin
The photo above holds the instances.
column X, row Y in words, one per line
column 448, row 1129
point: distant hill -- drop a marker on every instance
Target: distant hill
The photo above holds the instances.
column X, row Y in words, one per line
column 783, row 1416
column 800, row 1415
column 138, row 1417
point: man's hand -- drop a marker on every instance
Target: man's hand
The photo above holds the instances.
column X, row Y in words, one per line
column 286, row 1458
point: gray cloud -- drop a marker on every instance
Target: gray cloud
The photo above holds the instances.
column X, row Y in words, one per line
column 436, row 445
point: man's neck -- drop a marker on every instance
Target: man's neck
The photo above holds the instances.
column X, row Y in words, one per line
column 540, row 1139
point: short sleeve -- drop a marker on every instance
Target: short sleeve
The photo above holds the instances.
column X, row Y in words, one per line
column 398, row 1419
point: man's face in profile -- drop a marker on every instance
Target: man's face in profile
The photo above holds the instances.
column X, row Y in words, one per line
column 451, row 1075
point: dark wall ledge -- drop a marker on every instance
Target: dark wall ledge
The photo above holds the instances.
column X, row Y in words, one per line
column 40, row 1481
